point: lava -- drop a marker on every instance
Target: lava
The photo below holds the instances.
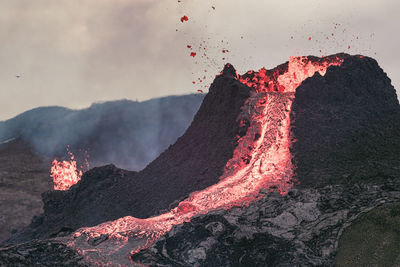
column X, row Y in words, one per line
column 298, row 69
column 184, row 18
column 261, row 161
column 66, row 173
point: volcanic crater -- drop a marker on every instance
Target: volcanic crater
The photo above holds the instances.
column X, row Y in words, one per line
column 285, row 135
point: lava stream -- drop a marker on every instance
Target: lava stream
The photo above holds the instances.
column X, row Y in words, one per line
column 261, row 160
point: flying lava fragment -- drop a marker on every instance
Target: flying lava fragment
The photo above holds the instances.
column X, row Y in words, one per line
column 184, row 18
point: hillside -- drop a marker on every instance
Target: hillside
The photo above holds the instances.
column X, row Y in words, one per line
column 117, row 132
column 274, row 167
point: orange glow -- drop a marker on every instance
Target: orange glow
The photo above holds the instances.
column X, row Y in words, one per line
column 261, row 160
column 65, row 173
column 299, row 69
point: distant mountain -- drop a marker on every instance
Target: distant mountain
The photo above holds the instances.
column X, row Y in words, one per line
column 126, row 133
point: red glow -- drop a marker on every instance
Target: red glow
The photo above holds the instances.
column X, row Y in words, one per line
column 65, row 173
column 299, row 69
column 192, row 54
column 261, row 160
column 189, row 46
column 184, row 18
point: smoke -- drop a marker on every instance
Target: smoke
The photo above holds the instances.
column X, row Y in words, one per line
column 126, row 133
column 71, row 56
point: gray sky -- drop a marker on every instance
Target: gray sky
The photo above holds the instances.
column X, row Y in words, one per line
column 72, row 53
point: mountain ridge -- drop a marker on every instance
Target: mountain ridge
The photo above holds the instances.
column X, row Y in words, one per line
column 110, row 132
column 303, row 225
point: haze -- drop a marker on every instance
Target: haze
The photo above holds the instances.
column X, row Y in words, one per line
column 72, row 53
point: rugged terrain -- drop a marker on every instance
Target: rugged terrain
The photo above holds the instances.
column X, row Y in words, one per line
column 346, row 131
column 346, row 125
column 299, row 229
column 110, row 132
column 24, row 176
column 108, row 193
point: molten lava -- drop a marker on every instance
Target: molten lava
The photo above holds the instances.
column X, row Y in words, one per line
column 261, row 161
column 184, row 18
column 66, row 173
column 298, row 69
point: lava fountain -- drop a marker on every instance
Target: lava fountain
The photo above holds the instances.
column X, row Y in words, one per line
column 261, row 161
column 66, row 173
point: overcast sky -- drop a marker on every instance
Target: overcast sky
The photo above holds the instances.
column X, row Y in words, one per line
column 73, row 53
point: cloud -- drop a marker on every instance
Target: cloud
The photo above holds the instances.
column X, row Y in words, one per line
column 73, row 54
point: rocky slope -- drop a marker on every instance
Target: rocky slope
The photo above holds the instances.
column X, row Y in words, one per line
column 346, row 127
column 299, row 229
column 24, row 176
column 109, row 193
column 111, row 131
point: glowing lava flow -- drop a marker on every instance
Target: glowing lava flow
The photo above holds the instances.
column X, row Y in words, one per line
column 298, row 69
column 262, row 160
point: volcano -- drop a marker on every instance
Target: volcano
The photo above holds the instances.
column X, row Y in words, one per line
column 305, row 125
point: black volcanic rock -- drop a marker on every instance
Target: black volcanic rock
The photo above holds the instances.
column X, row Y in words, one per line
column 40, row 253
column 346, row 130
column 346, row 125
column 299, row 229
column 194, row 162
